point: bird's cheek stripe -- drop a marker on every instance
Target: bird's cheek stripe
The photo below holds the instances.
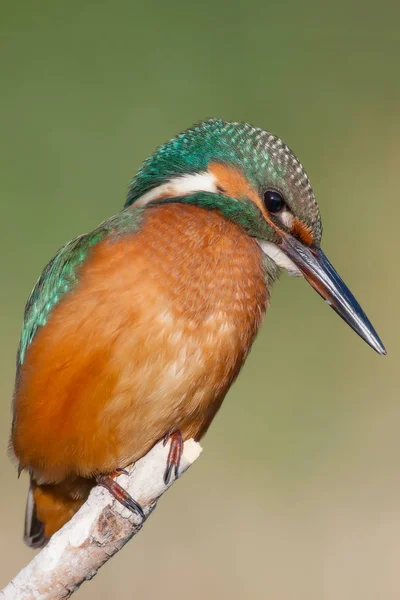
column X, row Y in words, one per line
column 232, row 182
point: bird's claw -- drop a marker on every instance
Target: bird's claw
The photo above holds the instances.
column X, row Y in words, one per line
column 119, row 472
column 119, row 493
column 174, row 454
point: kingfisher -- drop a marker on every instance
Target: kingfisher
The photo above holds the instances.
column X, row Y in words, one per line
column 135, row 331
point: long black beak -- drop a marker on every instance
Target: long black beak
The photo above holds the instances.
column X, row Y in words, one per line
column 319, row 273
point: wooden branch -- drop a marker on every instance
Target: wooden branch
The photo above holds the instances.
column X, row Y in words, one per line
column 98, row 531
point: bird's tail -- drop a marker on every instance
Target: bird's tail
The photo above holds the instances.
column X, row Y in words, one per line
column 34, row 535
column 49, row 507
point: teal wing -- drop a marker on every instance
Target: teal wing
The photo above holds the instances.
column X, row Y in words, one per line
column 58, row 277
column 62, row 272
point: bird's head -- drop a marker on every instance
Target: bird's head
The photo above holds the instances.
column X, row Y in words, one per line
column 252, row 178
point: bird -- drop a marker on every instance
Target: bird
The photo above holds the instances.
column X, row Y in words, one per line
column 135, row 331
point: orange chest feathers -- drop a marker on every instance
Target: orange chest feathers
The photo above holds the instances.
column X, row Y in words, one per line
column 150, row 340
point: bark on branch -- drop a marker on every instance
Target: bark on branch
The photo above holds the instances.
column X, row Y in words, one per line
column 98, row 531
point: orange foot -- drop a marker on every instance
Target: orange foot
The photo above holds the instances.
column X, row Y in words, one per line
column 119, row 493
column 174, row 455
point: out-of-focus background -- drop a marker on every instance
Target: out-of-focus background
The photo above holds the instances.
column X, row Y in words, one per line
column 297, row 494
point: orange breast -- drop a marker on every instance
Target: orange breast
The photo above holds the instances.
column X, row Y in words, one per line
column 150, row 340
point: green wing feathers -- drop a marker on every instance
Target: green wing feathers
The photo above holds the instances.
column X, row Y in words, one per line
column 58, row 277
column 62, row 272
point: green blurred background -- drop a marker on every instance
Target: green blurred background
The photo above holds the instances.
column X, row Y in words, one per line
column 297, row 494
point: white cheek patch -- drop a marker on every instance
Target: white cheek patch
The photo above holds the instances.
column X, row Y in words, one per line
column 286, row 218
column 181, row 186
column 279, row 258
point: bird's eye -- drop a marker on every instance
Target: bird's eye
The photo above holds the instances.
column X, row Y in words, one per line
column 273, row 201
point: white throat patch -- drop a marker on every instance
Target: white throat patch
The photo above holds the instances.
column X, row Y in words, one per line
column 181, row 186
column 279, row 258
